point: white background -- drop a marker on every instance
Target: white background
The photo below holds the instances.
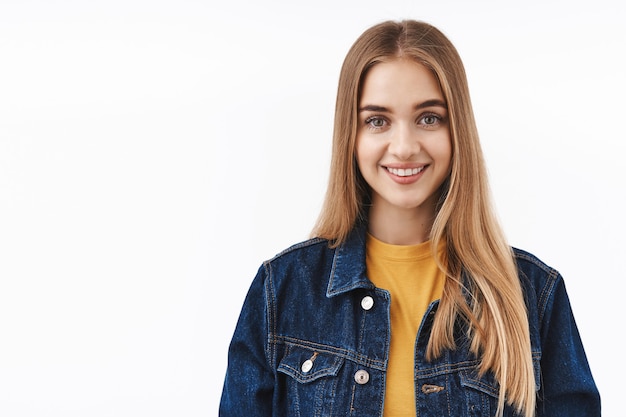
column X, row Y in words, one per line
column 154, row 153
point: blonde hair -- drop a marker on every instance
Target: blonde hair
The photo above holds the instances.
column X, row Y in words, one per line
column 478, row 262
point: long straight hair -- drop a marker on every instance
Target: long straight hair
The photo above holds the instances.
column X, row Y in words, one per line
column 482, row 286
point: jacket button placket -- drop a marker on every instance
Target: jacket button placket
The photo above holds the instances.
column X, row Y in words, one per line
column 362, row 377
column 367, row 303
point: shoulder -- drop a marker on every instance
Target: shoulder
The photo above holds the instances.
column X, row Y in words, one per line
column 299, row 272
column 306, row 249
column 305, row 246
column 528, row 262
column 534, row 269
column 539, row 280
column 309, row 257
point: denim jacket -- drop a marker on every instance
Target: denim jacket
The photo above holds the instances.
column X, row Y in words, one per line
column 313, row 340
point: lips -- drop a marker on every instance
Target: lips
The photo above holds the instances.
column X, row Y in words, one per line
column 405, row 172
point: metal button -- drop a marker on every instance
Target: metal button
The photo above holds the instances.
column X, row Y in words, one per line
column 431, row 389
column 367, row 302
column 307, row 365
column 361, row 377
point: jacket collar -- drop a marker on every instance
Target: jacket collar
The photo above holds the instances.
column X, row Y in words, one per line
column 348, row 269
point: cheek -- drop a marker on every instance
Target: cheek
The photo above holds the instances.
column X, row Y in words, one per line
column 364, row 154
column 441, row 150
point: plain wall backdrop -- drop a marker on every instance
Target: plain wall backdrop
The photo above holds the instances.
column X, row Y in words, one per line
column 154, row 153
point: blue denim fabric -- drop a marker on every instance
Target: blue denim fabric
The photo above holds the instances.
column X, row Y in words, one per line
column 304, row 310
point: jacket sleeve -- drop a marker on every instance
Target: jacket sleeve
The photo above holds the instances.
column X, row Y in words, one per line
column 249, row 381
column 567, row 386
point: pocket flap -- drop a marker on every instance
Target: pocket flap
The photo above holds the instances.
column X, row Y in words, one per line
column 486, row 383
column 306, row 365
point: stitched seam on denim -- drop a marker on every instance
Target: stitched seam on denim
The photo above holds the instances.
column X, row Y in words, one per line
column 296, row 374
column 297, row 394
column 448, row 399
column 344, row 353
column 535, row 353
column 306, row 243
column 480, row 386
column 468, row 400
column 333, row 392
column 381, row 388
column 328, row 370
column 534, row 260
column 362, row 332
column 447, row 368
column 546, row 294
column 271, row 316
column 332, row 273
column 319, row 395
column 357, row 285
column 486, row 404
column 352, row 398
column 552, row 276
column 418, row 413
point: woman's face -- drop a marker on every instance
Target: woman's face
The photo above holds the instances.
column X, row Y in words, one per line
column 403, row 147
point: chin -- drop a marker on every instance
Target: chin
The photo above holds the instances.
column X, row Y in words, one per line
column 409, row 205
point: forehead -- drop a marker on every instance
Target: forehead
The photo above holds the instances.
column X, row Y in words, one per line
column 398, row 80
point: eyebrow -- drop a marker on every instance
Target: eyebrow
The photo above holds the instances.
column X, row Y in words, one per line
column 427, row 103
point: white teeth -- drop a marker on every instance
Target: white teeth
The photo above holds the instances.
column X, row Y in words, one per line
column 405, row 172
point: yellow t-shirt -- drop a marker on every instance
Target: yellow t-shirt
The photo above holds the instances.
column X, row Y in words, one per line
column 411, row 276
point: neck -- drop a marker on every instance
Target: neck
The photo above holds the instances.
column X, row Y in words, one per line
column 398, row 226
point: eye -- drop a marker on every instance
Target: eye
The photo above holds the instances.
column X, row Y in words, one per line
column 430, row 120
column 376, row 122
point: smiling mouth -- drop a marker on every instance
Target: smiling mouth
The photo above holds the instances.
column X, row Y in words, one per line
column 405, row 172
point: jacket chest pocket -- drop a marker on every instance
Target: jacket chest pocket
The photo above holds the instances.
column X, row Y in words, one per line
column 312, row 381
column 481, row 394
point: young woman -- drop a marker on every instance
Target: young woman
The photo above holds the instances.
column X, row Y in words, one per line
column 408, row 301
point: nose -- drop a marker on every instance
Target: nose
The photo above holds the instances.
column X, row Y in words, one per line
column 404, row 142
